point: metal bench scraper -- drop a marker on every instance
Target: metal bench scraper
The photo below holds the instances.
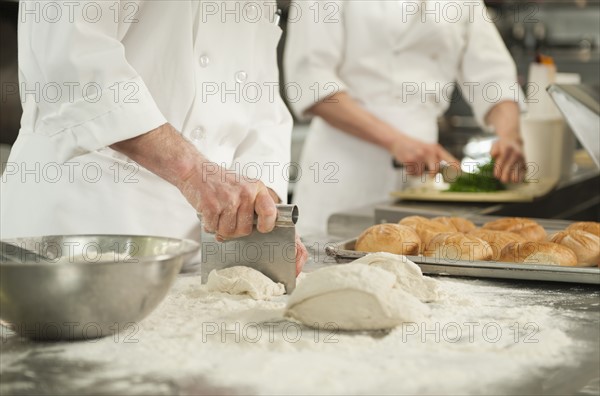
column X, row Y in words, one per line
column 273, row 254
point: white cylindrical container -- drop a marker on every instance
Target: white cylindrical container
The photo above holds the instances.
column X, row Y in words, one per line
column 543, row 141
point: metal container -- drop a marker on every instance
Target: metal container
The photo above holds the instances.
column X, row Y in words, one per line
column 92, row 286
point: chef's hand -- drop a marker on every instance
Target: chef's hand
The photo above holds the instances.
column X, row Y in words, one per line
column 227, row 201
column 510, row 162
column 301, row 255
column 418, row 156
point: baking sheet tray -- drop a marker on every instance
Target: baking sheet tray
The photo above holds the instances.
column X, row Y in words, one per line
column 527, row 192
column 343, row 252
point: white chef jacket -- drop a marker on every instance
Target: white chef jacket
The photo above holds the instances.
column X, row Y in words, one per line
column 398, row 59
column 121, row 69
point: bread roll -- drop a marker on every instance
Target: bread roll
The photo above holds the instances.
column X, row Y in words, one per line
column 527, row 228
column 391, row 238
column 585, row 245
column 458, row 246
column 461, row 224
column 413, row 220
column 545, row 253
column 426, row 228
column 587, row 226
column 497, row 240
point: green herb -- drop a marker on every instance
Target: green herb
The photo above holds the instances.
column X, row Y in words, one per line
column 482, row 180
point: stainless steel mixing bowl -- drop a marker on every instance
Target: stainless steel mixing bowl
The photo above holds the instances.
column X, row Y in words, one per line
column 92, row 286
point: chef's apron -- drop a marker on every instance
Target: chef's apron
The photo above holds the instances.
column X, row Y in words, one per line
column 353, row 172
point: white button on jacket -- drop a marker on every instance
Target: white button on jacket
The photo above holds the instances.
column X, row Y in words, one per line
column 122, row 69
column 400, row 60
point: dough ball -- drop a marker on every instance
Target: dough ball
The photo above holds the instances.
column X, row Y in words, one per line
column 461, row 224
column 244, row 280
column 353, row 297
column 542, row 253
column 409, row 276
column 588, row 226
column 426, row 228
column 527, row 228
column 585, row 245
column 458, row 246
column 497, row 240
column 391, row 238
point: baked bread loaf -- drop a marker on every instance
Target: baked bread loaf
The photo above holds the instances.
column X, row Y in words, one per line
column 547, row 253
column 496, row 239
column 458, row 246
column 426, row 228
column 461, row 224
column 585, row 245
column 587, row 226
column 527, row 228
column 390, row 238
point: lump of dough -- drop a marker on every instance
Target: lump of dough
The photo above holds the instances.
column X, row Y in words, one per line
column 353, row 297
column 244, row 280
column 409, row 276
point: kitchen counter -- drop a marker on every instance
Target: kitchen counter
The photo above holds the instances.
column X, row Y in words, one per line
column 540, row 339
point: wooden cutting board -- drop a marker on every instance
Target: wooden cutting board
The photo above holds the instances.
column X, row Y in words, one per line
column 525, row 192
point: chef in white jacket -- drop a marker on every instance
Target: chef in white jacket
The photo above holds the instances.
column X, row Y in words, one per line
column 374, row 76
column 139, row 114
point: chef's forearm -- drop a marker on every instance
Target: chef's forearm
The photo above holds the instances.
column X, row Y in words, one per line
column 164, row 152
column 343, row 112
column 504, row 118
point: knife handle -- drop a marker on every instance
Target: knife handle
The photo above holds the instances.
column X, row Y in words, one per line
column 396, row 164
column 399, row 165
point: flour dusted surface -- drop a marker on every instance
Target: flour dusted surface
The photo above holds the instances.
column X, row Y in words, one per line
column 240, row 343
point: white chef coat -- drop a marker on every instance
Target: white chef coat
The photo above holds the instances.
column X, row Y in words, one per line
column 398, row 59
column 207, row 68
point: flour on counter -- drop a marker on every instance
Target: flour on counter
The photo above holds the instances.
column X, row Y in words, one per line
column 238, row 343
column 354, row 297
column 244, row 280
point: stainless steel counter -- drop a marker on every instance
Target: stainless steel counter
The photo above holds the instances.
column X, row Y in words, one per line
column 28, row 368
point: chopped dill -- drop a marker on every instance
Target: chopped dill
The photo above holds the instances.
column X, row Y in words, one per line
column 482, row 180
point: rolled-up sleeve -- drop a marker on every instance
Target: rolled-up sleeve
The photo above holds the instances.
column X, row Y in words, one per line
column 487, row 74
column 313, row 54
column 77, row 86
